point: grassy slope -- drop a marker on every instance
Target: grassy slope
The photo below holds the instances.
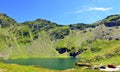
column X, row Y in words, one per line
column 20, row 68
column 75, row 39
column 109, row 49
column 108, row 54
column 15, row 45
column 42, row 47
column 11, row 48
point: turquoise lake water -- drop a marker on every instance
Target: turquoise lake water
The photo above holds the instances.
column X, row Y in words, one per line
column 51, row 63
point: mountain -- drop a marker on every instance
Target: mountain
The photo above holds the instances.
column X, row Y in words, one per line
column 6, row 21
column 45, row 39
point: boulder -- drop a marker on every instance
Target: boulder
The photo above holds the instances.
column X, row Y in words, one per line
column 111, row 66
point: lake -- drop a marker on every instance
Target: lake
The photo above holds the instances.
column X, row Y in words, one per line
column 51, row 63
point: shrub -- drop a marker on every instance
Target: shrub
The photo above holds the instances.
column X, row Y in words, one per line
column 95, row 49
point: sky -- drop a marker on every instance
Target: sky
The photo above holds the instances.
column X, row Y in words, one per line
column 60, row 11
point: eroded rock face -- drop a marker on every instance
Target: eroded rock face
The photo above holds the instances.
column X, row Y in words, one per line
column 63, row 50
column 72, row 52
column 112, row 23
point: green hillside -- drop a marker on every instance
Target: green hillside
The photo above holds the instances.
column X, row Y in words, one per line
column 45, row 39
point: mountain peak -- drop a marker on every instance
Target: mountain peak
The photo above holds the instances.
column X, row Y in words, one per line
column 6, row 20
column 3, row 14
column 115, row 17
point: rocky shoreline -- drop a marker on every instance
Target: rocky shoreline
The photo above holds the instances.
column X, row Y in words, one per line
column 99, row 67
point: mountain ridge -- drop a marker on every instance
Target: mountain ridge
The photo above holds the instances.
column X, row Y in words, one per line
column 41, row 38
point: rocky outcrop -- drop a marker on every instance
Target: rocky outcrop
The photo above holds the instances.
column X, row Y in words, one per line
column 112, row 23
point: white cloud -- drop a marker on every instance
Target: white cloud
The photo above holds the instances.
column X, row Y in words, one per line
column 99, row 9
column 76, row 12
column 90, row 9
column 79, row 11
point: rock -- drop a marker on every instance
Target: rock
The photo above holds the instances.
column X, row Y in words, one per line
column 95, row 68
column 110, row 69
column 111, row 66
column 83, row 64
column 102, row 67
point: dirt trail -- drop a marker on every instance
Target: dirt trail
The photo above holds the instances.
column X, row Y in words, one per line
column 3, row 70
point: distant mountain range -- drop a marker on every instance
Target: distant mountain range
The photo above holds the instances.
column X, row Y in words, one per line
column 45, row 39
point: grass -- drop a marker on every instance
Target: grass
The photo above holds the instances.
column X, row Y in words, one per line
column 108, row 53
column 74, row 39
column 20, row 68
column 111, row 18
column 113, row 60
column 42, row 47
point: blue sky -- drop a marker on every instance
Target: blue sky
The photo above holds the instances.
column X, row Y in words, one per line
column 60, row 11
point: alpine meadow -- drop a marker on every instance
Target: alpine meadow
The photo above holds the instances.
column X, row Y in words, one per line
column 96, row 43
